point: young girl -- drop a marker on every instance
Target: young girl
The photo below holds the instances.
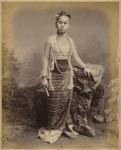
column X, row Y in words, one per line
column 57, row 77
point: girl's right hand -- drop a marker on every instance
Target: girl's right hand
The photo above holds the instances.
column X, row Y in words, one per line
column 45, row 82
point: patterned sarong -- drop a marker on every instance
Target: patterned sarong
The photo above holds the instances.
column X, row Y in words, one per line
column 58, row 103
column 59, row 100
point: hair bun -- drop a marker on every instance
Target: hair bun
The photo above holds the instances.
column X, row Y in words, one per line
column 62, row 13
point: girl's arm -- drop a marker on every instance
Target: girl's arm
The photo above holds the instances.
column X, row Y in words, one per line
column 78, row 60
column 76, row 57
column 45, row 62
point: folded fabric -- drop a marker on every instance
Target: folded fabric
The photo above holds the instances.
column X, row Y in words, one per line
column 96, row 71
column 50, row 136
column 87, row 83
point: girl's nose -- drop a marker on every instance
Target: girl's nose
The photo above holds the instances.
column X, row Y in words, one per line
column 62, row 25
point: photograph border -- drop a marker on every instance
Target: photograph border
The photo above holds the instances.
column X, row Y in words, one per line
column 119, row 59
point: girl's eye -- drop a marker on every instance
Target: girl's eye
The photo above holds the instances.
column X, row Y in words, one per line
column 60, row 22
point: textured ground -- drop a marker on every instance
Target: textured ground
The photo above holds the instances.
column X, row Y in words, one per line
column 24, row 114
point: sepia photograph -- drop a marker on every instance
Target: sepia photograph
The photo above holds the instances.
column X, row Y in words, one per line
column 60, row 75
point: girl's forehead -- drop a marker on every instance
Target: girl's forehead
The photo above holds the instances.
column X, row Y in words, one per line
column 63, row 18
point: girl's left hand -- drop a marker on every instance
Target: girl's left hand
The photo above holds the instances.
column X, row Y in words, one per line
column 87, row 71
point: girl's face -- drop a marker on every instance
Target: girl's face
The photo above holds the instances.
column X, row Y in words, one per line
column 62, row 24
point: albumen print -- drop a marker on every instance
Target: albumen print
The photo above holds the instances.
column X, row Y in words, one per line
column 60, row 75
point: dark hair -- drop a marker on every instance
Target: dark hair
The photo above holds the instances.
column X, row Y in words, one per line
column 62, row 13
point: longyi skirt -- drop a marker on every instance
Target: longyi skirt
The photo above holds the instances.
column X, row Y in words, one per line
column 59, row 100
column 58, row 104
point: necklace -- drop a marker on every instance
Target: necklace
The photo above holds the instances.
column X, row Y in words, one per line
column 59, row 67
column 60, row 48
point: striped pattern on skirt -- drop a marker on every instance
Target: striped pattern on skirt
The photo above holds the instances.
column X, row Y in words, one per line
column 59, row 101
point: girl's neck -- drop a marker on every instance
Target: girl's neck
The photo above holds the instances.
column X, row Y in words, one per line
column 63, row 35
